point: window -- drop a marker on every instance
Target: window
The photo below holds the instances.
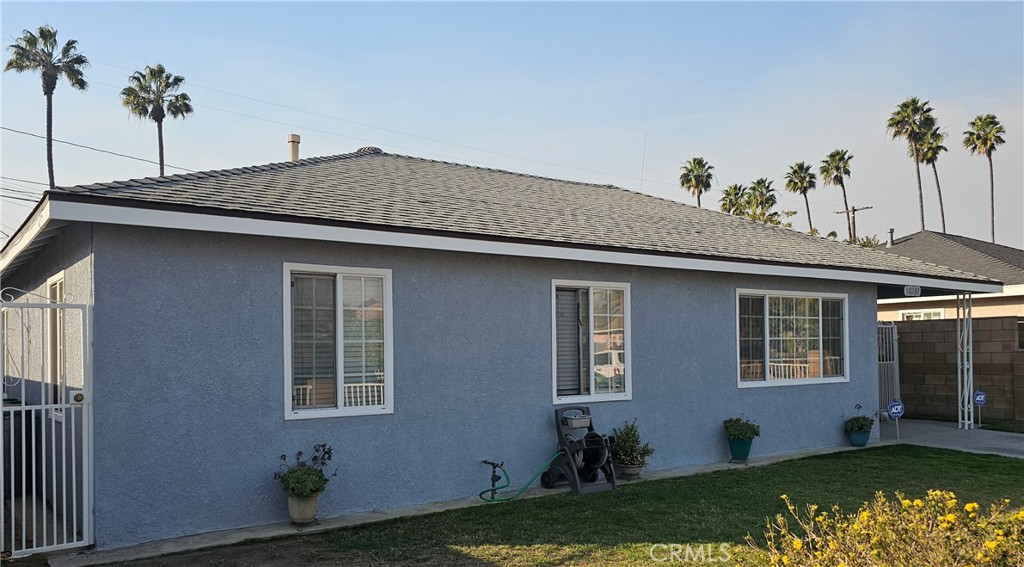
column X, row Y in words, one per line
column 590, row 342
column 921, row 314
column 1020, row 334
column 55, row 368
column 338, row 358
column 788, row 338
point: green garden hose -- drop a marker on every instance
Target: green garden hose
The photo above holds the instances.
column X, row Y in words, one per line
column 508, row 482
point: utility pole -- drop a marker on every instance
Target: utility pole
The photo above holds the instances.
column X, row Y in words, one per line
column 853, row 218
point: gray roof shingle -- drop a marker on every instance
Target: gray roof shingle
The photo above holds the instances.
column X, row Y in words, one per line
column 987, row 259
column 396, row 192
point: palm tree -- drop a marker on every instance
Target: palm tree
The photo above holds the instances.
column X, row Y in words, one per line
column 38, row 52
column 984, row 136
column 734, row 200
column 931, row 147
column 761, row 201
column 696, row 177
column 801, row 179
column 834, row 168
column 912, row 120
column 153, row 93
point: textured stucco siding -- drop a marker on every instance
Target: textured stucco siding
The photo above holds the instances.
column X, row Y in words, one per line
column 189, row 408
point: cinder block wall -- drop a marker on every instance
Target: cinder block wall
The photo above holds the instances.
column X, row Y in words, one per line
column 928, row 373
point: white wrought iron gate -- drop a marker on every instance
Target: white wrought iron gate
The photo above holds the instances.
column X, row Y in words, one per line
column 46, row 462
column 888, row 366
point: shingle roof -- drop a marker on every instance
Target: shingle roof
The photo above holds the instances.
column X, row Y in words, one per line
column 396, row 192
column 993, row 261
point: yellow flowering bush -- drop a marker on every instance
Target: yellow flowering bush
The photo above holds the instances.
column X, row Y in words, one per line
column 937, row 531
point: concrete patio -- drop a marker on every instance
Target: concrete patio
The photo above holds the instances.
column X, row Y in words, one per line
column 946, row 435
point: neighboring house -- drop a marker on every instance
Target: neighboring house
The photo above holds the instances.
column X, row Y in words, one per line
column 418, row 316
column 993, row 261
column 929, row 337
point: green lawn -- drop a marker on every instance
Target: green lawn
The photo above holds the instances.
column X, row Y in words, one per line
column 620, row 526
column 1011, row 426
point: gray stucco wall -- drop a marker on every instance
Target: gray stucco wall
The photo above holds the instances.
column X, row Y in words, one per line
column 189, row 394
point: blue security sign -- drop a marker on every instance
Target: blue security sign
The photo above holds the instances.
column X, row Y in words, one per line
column 896, row 409
column 980, row 398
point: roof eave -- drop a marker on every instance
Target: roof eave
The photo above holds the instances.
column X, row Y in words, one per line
column 87, row 208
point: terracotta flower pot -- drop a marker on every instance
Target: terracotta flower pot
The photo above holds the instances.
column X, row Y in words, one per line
column 302, row 509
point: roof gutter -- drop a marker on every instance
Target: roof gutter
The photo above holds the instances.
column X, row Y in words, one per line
column 81, row 211
column 26, row 234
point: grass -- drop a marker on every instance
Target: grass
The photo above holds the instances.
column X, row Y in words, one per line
column 997, row 425
column 619, row 527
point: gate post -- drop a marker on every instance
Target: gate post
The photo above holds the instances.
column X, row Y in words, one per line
column 965, row 361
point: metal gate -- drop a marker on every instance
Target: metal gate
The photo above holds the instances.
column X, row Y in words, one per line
column 46, row 461
column 888, row 366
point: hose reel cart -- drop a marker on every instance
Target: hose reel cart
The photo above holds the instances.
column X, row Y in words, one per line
column 584, row 454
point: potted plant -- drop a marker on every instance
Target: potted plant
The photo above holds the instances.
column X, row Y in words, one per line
column 741, row 433
column 304, row 481
column 630, row 452
column 858, row 429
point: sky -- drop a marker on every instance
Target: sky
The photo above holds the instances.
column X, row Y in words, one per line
column 616, row 93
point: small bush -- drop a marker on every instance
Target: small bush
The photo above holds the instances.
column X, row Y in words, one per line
column 859, row 423
column 740, row 428
column 630, row 449
column 937, row 531
column 306, row 477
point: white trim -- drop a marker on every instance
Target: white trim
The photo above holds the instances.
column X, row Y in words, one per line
column 938, row 310
column 389, row 382
column 1008, row 291
column 89, row 212
column 792, row 381
column 626, row 343
column 56, row 414
column 36, row 224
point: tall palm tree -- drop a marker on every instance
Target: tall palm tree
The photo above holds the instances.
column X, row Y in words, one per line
column 834, row 169
column 153, row 93
column 912, row 120
column 761, row 201
column 984, row 136
column 38, row 52
column 931, row 147
column 800, row 180
column 734, row 200
column 696, row 177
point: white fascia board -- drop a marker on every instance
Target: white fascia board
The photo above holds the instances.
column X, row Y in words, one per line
column 91, row 212
column 1008, row 291
column 24, row 238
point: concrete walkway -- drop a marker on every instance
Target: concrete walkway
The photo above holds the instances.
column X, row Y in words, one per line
column 946, row 435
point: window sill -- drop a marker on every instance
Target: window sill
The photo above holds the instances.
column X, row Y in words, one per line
column 793, row 382
column 593, row 398
column 290, row 415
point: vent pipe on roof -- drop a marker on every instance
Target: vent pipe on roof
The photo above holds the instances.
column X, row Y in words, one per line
column 293, row 147
column 891, row 241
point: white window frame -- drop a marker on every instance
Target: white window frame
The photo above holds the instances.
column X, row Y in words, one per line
column 792, row 381
column 626, row 340
column 55, row 325
column 941, row 314
column 389, row 384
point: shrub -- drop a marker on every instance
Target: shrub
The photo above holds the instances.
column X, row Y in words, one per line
column 629, row 448
column 859, row 423
column 743, row 429
column 937, row 531
column 306, row 477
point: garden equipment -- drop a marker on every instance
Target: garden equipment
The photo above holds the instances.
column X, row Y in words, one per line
column 583, row 455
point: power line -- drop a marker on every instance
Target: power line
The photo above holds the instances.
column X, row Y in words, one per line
column 44, row 184
column 83, row 146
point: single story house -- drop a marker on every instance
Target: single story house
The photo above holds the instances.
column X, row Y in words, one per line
column 995, row 261
column 180, row 333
